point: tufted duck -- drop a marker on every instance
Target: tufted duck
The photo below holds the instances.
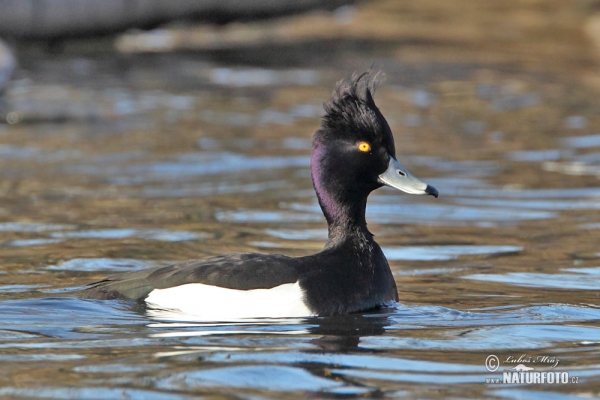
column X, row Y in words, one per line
column 353, row 154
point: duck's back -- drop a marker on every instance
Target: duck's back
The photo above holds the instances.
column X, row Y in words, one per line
column 239, row 271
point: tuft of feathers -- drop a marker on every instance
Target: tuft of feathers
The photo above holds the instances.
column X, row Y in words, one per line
column 359, row 87
column 352, row 110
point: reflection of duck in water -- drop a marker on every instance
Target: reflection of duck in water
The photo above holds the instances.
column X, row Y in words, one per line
column 343, row 333
column 522, row 368
column 353, row 154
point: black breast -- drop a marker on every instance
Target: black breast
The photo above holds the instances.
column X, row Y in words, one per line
column 348, row 277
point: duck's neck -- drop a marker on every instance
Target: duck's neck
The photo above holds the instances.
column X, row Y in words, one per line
column 343, row 207
column 345, row 216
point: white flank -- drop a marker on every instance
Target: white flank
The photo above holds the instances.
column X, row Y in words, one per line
column 214, row 303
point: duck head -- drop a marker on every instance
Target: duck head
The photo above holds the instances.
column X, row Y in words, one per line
column 354, row 153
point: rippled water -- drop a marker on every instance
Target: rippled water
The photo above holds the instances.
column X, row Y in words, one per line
column 173, row 156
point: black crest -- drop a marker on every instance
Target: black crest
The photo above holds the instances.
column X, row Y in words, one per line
column 352, row 111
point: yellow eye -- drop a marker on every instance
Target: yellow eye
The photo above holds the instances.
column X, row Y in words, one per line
column 364, row 147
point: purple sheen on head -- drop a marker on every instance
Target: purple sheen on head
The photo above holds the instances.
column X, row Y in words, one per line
column 329, row 205
column 351, row 117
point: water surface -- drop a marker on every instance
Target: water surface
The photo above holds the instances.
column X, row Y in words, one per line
column 120, row 165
